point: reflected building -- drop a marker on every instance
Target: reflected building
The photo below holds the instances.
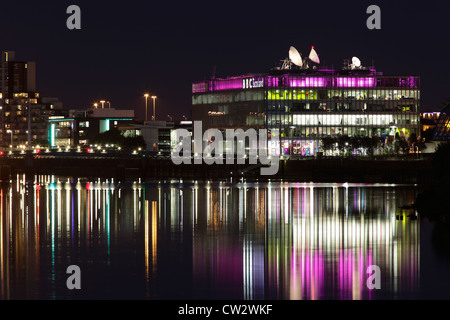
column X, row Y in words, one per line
column 213, row 240
column 50, row 223
column 312, row 243
column 320, row 251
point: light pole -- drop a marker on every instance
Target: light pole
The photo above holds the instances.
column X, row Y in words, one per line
column 146, row 97
column 10, row 131
column 103, row 103
column 96, row 105
column 29, row 123
column 154, row 115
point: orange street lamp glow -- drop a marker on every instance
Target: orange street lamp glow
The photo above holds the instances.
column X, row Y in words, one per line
column 146, row 97
column 154, row 115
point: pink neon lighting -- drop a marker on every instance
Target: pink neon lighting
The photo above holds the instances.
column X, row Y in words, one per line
column 308, row 82
column 223, row 84
column 290, row 81
column 354, row 82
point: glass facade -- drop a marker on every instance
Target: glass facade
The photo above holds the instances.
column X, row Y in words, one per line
column 309, row 105
column 442, row 130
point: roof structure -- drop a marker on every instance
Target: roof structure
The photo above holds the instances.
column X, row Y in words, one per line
column 442, row 130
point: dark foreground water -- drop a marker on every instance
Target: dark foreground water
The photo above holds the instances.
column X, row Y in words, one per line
column 173, row 240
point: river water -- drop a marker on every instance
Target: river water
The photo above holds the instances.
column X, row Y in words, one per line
column 215, row 240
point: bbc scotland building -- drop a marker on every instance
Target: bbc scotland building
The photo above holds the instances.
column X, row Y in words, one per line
column 309, row 103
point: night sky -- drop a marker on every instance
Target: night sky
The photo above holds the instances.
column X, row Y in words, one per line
column 128, row 47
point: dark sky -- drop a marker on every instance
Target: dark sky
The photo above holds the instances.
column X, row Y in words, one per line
column 128, row 47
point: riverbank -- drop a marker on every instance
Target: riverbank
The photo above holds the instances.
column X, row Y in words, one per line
column 404, row 171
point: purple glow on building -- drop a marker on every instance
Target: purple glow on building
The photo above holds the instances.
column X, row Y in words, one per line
column 228, row 84
column 303, row 82
column 199, row 87
column 353, row 82
column 312, row 81
column 241, row 82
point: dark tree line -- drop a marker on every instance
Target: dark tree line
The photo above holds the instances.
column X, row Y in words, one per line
column 434, row 200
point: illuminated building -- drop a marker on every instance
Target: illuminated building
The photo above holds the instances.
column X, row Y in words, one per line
column 18, row 90
column 81, row 127
column 306, row 105
column 442, row 130
column 86, row 125
column 428, row 120
column 159, row 136
column 61, row 131
column 16, row 117
column 156, row 135
column 20, row 76
column 17, row 78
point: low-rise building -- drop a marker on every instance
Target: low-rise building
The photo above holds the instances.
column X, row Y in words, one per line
column 81, row 127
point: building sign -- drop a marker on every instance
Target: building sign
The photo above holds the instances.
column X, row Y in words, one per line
column 251, row 83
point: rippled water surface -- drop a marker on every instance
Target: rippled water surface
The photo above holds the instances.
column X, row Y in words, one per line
column 183, row 240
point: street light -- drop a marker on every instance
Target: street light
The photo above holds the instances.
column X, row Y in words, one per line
column 154, row 115
column 103, row 103
column 146, row 97
column 96, row 105
column 10, row 131
column 29, row 123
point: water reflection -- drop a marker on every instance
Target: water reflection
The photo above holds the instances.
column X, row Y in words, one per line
column 214, row 240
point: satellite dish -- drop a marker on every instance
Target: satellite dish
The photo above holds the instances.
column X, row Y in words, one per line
column 313, row 56
column 356, row 62
column 295, row 57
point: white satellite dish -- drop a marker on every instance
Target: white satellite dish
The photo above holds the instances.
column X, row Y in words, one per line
column 313, row 56
column 356, row 62
column 295, row 57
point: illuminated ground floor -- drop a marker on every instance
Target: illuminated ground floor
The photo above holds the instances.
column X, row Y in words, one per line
column 301, row 133
column 303, row 148
column 310, row 142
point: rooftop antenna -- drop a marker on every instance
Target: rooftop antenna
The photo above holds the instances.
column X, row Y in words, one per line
column 295, row 57
column 286, row 64
column 313, row 56
column 356, row 63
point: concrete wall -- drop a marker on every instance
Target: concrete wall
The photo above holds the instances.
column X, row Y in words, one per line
column 112, row 113
column 431, row 146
